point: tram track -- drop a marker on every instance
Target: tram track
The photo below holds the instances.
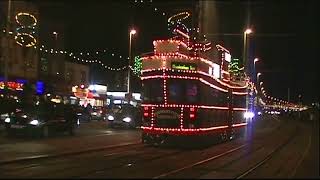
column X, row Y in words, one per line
column 137, row 167
column 269, row 156
column 118, row 158
column 173, row 173
column 30, row 163
column 64, row 154
column 153, row 157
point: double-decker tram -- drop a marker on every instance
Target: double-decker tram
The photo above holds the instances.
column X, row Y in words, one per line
column 187, row 96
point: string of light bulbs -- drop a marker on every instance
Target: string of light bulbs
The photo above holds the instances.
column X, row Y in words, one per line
column 80, row 59
column 25, row 31
column 52, row 51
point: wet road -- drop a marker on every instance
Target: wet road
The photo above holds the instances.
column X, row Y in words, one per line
column 276, row 149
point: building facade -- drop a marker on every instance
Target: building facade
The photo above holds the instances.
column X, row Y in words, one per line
column 40, row 55
column 22, row 59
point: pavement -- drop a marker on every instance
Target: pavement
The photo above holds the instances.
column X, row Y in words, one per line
column 88, row 136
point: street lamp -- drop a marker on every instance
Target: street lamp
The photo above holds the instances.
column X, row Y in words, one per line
column 131, row 33
column 56, row 34
column 56, row 47
column 7, row 49
column 254, row 62
column 248, row 31
column 258, row 75
column 245, row 34
column 245, row 64
column 254, row 68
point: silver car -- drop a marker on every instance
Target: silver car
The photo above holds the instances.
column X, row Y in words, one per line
column 124, row 116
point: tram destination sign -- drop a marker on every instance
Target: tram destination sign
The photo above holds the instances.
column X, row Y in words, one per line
column 183, row 66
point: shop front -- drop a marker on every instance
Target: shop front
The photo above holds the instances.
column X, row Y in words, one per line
column 95, row 95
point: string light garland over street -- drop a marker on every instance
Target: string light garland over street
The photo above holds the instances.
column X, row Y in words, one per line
column 26, row 29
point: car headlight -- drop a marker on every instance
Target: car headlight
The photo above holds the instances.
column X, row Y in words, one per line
column 34, row 122
column 4, row 116
column 7, row 120
column 126, row 119
column 110, row 118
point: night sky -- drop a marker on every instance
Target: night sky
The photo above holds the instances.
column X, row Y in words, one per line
column 284, row 36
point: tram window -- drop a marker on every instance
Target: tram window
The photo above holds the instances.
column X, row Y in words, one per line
column 175, row 92
column 182, row 91
column 191, row 92
column 153, row 91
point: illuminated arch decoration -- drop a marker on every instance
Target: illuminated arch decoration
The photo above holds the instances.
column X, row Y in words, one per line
column 26, row 29
column 174, row 22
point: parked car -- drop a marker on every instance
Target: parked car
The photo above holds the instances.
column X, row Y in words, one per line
column 98, row 114
column 41, row 119
column 124, row 116
column 6, row 107
column 3, row 117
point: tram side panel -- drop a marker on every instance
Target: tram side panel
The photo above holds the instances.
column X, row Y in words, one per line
column 238, row 101
column 213, row 115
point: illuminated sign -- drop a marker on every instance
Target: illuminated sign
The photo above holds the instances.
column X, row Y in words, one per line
column 80, row 92
column 12, row 85
column 183, row 66
column 216, row 70
column 166, row 114
column 100, row 89
column 227, row 57
column 39, row 87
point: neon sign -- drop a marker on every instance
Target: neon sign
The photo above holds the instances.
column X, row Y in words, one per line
column 80, row 92
column 183, row 66
column 12, row 85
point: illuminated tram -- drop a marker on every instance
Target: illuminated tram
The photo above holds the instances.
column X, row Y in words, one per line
column 188, row 96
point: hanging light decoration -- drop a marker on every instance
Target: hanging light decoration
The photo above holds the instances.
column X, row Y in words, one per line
column 26, row 29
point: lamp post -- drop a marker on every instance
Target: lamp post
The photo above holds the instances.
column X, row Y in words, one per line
column 56, row 36
column 245, row 34
column 7, row 40
column 131, row 33
column 249, row 99
column 254, row 70
column 258, row 75
column 55, row 46
column 254, row 62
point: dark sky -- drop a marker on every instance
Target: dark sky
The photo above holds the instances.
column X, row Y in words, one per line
column 284, row 35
